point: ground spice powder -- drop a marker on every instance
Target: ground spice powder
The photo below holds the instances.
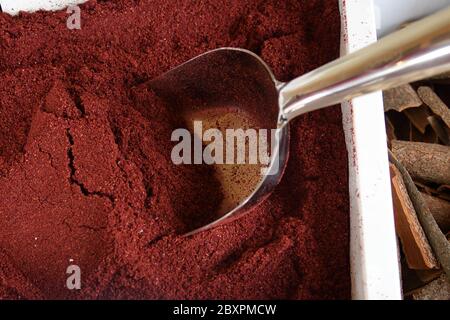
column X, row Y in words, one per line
column 85, row 172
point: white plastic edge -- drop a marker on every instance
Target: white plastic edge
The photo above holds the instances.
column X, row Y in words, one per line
column 373, row 244
column 14, row 6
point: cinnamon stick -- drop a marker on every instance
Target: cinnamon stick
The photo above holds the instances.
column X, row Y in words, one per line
column 432, row 100
column 401, row 98
column 436, row 238
column 425, row 162
column 440, row 209
column 440, row 129
column 417, row 250
column 418, row 117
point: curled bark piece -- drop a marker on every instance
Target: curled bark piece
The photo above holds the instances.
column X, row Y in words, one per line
column 425, row 162
column 432, row 100
column 437, row 239
column 401, row 98
column 440, row 209
column 418, row 117
column 417, row 250
column 440, row 129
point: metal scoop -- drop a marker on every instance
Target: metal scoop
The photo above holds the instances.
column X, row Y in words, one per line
column 237, row 77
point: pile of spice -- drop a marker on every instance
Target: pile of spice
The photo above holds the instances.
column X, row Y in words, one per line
column 86, row 177
column 418, row 123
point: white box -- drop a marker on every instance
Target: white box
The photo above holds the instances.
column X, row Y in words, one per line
column 373, row 246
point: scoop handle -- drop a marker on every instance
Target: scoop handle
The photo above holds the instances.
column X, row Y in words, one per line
column 419, row 51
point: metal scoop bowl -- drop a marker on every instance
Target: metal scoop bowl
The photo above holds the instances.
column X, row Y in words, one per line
column 238, row 77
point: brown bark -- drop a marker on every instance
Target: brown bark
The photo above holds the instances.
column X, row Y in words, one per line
column 437, row 240
column 401, row 98
column 418, row 117
column 417, row 250
column 425, row 162
column 432, row 100
column 440, row 129
column 440, row 209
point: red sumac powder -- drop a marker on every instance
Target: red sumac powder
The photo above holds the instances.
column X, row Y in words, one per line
column 85, row 172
